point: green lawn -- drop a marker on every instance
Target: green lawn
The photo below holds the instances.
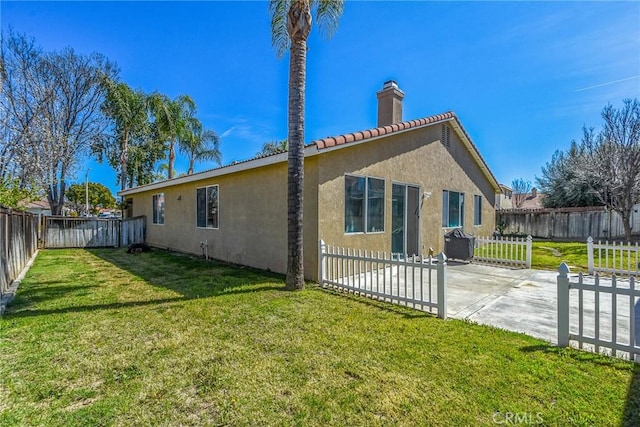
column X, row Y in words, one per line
column 548, row 255
column 106, row 338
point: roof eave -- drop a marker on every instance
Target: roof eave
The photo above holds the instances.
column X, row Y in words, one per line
column 225, row 170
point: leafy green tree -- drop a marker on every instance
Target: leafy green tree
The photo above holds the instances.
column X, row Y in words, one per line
column 14, row 195
column 291, row 22
column 143, row 156
column 99, row 197
column 172, row 118
column 199, row 144
column 273, row 147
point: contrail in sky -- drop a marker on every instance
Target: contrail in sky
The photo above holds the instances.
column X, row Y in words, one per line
column 227, row 132
column 608, row 83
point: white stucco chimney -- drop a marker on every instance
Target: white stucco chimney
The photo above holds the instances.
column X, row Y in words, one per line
column 389, row 104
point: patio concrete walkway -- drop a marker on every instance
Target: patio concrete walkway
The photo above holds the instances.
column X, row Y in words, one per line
column 518, row 300
column 526, row 301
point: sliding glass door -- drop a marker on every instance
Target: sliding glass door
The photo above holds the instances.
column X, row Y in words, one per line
column 405, row 219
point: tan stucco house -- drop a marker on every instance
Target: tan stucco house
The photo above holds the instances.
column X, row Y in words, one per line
column 395, row 188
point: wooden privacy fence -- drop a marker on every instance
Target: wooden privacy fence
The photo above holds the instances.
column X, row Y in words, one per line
column 620, row 258
column 605, row 318
column 68, row 232
column 19, row 241
column 565, row 223
column 507, row 251
column 409, row 281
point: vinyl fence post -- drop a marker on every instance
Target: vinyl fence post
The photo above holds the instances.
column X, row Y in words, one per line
column 321, row 250
column 442, row 285
column 590, row 254
column 529, row 251
column 563, row 305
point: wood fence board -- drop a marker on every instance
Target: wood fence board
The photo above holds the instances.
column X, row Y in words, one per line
column 65, row 232
column 564, row 224
column 18, row 235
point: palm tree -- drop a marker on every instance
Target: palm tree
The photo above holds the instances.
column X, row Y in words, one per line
column 273, row 147
column 290, row 27
column 199, row 144
column 127, row 108
column 172, row 118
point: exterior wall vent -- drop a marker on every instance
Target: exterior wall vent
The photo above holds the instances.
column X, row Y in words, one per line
column 446, row 136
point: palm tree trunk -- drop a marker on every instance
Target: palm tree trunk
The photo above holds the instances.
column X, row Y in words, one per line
column 123, row 160
column 295, row 177
column 172, row 158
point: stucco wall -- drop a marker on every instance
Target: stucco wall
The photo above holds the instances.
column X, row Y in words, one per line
column 416, row 157
column 253, row 203
column 252, row 218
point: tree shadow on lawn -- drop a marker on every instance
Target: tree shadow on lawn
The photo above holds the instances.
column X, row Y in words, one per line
column 632, row 406
column 26, row 312
column 43, row 292
column 404, row 311
column 187, row 276
column 631, row 415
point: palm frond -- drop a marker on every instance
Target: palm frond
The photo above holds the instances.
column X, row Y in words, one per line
column 278, row 11
column 327, row 15
column 211, row 154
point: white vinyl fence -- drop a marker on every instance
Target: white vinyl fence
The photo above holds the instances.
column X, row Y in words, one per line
column 621, row 259
column 409, row 281
column 605, row 318
column 508, row 251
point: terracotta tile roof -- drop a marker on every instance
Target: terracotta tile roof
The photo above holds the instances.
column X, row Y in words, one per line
column 332, row 141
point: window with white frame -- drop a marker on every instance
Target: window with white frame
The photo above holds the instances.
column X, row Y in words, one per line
column 452, row 209
column 363, row 204
column 158, row 208
column 207, row 207
column 477, row 210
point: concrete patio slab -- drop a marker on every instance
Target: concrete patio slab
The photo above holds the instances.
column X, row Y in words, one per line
column 522, row 300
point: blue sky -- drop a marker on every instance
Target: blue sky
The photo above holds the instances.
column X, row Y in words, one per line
column 523, row 77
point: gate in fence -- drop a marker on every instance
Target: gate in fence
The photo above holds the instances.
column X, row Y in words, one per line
column 606, row 316
column 410, row 281
column 68, row 232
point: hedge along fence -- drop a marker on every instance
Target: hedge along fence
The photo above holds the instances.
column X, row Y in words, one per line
column 565, row 223
column 19, row 241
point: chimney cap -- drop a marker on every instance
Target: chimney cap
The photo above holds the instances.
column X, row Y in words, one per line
column 389, row 84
